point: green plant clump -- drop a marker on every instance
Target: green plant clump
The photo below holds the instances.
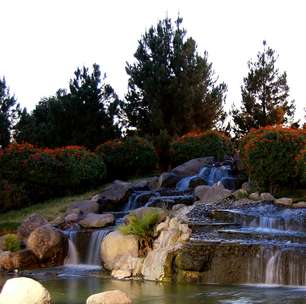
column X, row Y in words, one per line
column 11, row 243
column 143, row 227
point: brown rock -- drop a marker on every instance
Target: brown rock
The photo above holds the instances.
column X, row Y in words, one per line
column 48, row 244
column 109, row 297
column 30, row 224
column 23, row 259
column 299, row 205
column 215, row 193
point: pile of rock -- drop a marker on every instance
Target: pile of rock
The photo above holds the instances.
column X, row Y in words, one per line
column 121, row 253
column 43, row 246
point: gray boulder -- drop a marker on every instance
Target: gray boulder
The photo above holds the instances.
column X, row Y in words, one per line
column 192, row 167
column 212, row 194
column 114, row 195
column 84, row 207
column 168, row 180
column 93, row 220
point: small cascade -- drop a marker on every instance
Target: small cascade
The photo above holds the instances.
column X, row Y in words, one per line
column 72, row 256
column 137, row 199
column 217, row 174
column 93, row 254
column 183, row 184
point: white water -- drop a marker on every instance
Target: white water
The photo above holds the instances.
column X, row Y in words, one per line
column 93, row 254
column 72, row 256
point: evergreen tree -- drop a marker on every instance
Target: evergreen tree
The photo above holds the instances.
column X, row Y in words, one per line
column 265, row 94
column 9, row 109
column 171, row 87
column 85, row 115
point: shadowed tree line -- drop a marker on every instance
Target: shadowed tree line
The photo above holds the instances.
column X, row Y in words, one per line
column 172, row 90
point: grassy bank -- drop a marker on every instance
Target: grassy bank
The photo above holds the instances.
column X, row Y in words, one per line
column 9, row 221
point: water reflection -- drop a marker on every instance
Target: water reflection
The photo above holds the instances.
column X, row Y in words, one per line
column 73, row 287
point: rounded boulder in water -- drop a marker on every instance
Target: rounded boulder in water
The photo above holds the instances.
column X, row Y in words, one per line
column 24, row 291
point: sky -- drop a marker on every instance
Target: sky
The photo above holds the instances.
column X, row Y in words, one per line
column 44, row 41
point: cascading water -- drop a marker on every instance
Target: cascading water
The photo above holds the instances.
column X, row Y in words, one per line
column 84, row 247
column 72, row 256
column 93, row 256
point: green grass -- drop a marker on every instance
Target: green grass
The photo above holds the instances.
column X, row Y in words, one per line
column 50, row 209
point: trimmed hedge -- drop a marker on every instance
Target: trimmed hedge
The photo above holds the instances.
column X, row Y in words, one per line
column 200, row 144
column 274, row 157
column 29, row 174
column 130, row 157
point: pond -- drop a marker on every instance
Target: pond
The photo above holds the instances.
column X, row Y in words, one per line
column 74, row 285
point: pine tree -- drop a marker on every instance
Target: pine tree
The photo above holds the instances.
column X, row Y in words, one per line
column 171, row 87
column 86, row 115
column 9, row 109
column 265, row 95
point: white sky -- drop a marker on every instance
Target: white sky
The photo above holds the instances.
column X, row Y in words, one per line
column 44, row 41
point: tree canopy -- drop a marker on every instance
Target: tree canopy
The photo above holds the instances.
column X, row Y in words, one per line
column 265, row 95
column 171, row 86
column 9, row 109
column 85, row 115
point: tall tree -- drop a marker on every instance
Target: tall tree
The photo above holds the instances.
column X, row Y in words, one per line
column 85, row 115
column 171, row 87
column 9, row 109
column 265, row 95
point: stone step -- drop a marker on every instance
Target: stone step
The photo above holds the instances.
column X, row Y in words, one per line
column 264, row 234
column 210, row 226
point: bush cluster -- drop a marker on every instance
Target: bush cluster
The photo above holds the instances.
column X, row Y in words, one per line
column 200, row 144
column 132, row 156
column 29, row 174
column 12, row 243
column 274, row 157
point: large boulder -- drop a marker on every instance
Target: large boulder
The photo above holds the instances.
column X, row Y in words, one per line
column 168, row 180
column 192, row 167
column 24, row 291
column 114, row 195
column 208, row 194
column 29, row 224
column 117, row 245
column 285, row 201
column 158, row 264
column 93, row 220
column 84, row 207
column 109, row 297
column 50, row 245
column 22, row 259
column 140, row 212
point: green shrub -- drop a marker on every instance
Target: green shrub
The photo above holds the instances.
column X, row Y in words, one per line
column 194, row 145
column 130, row 157
column 142, row 227
column 12, row 243
column 271, row 157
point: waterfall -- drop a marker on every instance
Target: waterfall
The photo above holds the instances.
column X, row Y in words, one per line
column 93, row 253
column 273, row 273
column 183, row 184
column 72, row 256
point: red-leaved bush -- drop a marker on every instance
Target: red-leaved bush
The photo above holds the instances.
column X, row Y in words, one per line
column 274, row 157
column 45, row 173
